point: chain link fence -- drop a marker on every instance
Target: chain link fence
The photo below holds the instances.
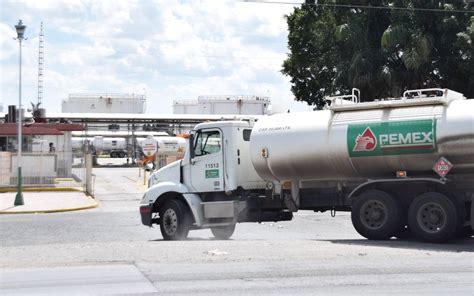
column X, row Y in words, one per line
column 39, row 169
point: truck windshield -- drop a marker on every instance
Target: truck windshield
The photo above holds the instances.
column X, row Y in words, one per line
column 207, row 142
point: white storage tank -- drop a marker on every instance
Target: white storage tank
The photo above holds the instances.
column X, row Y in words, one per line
column 225, row 105
column 185, row 107
column 104, row 103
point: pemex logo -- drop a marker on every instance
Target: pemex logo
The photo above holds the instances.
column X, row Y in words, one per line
column 391, row 137
column 365, row 141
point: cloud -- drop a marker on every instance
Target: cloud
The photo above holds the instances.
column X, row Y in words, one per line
column 169, row 49
column 54, row 5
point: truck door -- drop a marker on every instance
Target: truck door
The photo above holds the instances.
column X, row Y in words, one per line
column 207, row 161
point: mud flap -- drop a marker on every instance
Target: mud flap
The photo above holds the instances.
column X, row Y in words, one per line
column 292, row 201
column 472, row 212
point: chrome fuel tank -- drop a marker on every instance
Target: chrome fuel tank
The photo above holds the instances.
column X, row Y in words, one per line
column 362, row 142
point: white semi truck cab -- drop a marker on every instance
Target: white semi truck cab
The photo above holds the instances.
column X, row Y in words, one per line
column 387, row 162
column 214, row 186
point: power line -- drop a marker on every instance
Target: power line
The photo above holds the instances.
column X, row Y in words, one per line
column 364, row 6
column 238, row 57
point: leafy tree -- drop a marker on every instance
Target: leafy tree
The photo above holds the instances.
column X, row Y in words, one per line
column 414, row 44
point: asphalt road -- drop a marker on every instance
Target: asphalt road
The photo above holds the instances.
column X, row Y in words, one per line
column 108, row 251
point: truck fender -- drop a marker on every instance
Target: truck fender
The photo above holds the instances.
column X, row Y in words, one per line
column 158, row 192
column 364, row 185
column 155, row 192
column 194, row 203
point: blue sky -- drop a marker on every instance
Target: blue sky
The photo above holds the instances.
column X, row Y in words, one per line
column 167, row 49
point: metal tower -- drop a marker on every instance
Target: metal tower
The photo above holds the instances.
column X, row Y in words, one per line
column 40, row 66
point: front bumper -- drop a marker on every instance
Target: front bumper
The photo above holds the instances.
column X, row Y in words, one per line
column 145, row 213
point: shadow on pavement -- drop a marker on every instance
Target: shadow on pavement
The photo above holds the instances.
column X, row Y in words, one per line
column 457, row 245
column 210, row 239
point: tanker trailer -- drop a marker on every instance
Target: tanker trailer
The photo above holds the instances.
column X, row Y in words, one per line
column 377, row 157
column 168, row 149
column 170, row 146
column 398, row 165
column 114, row 147
column 167, row 145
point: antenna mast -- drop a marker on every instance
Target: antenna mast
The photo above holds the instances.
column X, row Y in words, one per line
column 40, row 66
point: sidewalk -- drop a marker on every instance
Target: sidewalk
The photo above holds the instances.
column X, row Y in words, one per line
column 46, row 202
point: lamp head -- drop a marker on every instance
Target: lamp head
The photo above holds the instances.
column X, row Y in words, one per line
column 20, row 29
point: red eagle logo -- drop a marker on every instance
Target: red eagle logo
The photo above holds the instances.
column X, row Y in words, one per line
column 365, row 142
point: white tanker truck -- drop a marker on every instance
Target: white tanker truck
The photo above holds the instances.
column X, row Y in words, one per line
column 166, row 146
column 387, row 162
column 115, row 147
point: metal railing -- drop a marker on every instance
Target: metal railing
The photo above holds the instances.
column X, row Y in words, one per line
column 131, row 96
column 246, row 98
column 353, row 98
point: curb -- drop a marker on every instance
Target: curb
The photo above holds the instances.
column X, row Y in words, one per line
column 94, row 204
column 38, row 189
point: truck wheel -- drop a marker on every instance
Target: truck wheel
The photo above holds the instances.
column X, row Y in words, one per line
column 113, row 155
column 433, row 217
column 376, row 215
column 121, row 154
column 174, row 220
column 223, row 232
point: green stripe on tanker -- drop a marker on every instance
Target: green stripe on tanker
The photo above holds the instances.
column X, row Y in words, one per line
column 391, row 138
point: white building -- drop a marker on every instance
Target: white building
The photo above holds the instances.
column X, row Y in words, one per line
column 228, row 105
column 104, row 103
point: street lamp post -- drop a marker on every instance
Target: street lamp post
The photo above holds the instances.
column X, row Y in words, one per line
column 20, row 30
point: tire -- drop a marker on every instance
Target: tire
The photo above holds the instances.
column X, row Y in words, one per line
column 376, row 215
column 433, row 218
column 121, row 154
column 223, row 232
column 174, row 220
column 113, row 155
